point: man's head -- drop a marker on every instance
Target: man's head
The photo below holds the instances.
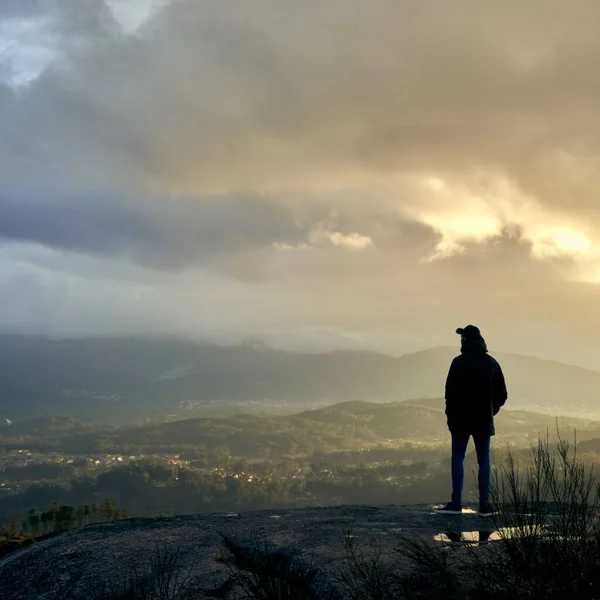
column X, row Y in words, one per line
column 469, row 332
column 471, row 339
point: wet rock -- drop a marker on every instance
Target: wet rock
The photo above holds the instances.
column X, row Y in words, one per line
column 83, row 563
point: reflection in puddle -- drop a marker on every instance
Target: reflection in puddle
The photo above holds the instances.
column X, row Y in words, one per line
column 467, row 537
column 476, row 537
column 465, row 511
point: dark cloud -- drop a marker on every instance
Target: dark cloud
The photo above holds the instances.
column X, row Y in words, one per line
column 18, row 9
column 160, row 232
column 209, row 98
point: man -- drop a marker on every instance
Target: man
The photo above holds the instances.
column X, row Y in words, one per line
column 475, row 392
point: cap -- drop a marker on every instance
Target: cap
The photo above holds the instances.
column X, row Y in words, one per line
column 469, row 331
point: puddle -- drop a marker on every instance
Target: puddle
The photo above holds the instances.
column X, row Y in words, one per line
column 465, row 511
column 231, row 514
column 478, row 537
column 467, row 537
column 274, row 516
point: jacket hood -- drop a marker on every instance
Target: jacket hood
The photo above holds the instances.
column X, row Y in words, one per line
column 474, row 345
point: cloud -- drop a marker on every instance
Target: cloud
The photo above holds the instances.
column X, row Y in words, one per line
column 209, row 99
column 19, row 9
column 309, row 300
column 354, row 241
column 428, row 160
column 157, row 231
column 351, row 241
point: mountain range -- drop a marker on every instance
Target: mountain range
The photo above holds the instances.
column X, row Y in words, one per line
column 106, row 376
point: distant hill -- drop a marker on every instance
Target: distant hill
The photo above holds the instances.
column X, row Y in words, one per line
column 96, row 378
column 425, row 419
column 347, row 426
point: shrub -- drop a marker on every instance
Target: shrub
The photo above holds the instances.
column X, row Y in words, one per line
column 162, row 576
column 547, row 520
column 363, row 576
column 258, row 572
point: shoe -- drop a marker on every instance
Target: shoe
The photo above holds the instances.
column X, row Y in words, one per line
column 485, row 511
column 449, row 509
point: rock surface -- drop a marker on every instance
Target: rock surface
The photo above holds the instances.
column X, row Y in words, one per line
column 81, row 563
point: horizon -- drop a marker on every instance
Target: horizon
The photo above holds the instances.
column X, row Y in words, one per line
column 260, row 344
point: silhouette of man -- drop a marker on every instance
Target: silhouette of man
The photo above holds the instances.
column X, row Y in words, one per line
column 475, row 392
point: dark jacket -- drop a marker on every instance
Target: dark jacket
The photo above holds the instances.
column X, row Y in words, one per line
column 475, row 390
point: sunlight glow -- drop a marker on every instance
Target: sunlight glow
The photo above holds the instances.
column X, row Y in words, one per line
column 350, row 241
column 559, row 242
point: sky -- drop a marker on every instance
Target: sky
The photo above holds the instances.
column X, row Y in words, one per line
column 316, row 174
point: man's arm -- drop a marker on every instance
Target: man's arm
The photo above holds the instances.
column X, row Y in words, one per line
column 499, row 389
column 452, row 394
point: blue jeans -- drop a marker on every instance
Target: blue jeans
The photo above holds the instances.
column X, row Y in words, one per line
column 459, row 449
